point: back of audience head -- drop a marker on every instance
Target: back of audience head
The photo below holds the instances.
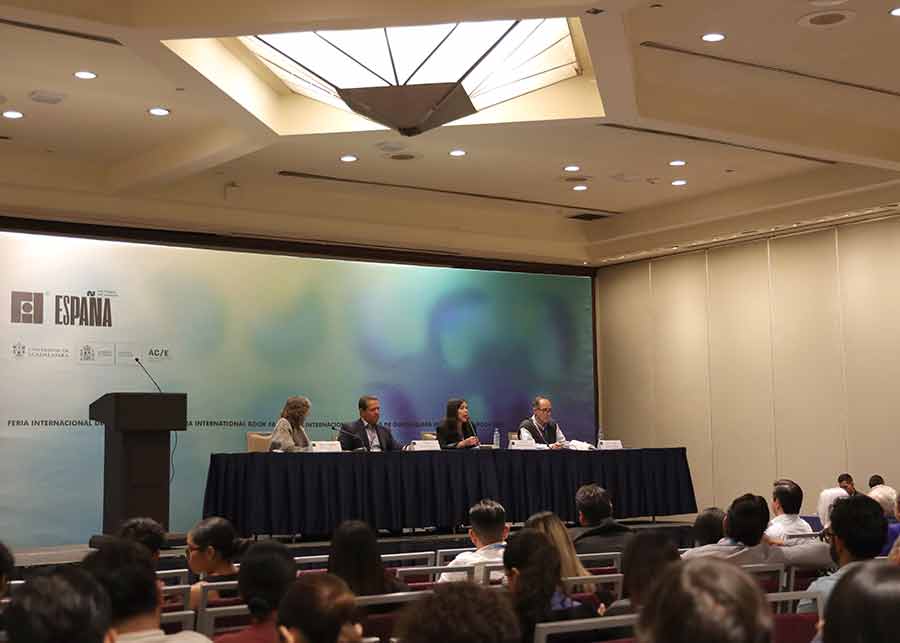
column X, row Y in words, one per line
column 318, row 608
column 864, row 605
column 845, row 482
column 827, row 499
column 145, row 531
column 488, row 520
column 593, row 504
column 549, row 523
column 875, row 480
column 7, row 567
column 213, row 543
column 267, row 571
column 746, row 519
column 858, row 529
column 459, row 613
column 645, row 558
column 66, row 606
column 705, row 600
column 787, row 497
column 354, row 557
column 886, row 497
column 708, row 527
column 125, row 570
column 533, row 572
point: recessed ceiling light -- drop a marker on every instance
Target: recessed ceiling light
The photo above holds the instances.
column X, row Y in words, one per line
column 895, row 12
column 13, row 114
column 713, row 37
column 679, row 182
column 158, row 111
column 674, row 248
column 572, row 168
column 85, row 75
column 677, row 163
column 457, row 153
column 349, row 158
column 580, row 188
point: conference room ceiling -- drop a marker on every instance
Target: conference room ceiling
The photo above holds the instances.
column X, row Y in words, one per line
column 780, row 121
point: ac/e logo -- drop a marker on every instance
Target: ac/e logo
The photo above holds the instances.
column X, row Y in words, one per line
column 158, row 353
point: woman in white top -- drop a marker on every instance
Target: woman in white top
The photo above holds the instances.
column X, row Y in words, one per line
column 289, row 434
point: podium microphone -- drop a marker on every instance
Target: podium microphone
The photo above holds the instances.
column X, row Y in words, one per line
column 138, row 360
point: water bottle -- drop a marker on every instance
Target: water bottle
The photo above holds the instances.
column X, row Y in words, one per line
column 496, row 438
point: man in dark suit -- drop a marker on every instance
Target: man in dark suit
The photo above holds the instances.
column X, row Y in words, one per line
column 366, row 432
column 599, row 531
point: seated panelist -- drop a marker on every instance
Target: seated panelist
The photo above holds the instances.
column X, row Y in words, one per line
column 540, row 427
column 290, row 433
column 366, row 432
column 457, row 430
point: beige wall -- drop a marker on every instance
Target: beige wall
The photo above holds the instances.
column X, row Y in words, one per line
column 777, row 358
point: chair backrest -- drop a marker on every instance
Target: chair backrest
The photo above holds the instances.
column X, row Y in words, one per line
column 772, row 577
column 801, row 537
column 381, row 625
column 428, row 435
column 613, row 558
column 226, row 618
column 258, row 442
column 444, row 556
column 512, row 435
column 175, row 576
column 544, row 630
column 794, row 628
column 176, row 598
column 206, row 603
column 184, row 618
column 424, row 558
column 311, row 562
column 613, row 581
column 430, row 573
column 792, row 598
column 390, row 599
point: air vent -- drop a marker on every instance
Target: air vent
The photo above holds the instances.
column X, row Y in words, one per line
column 826, row 19
column 576, row 179
column 402, row 156
column 5, row 138
column 588, row 216
column 46, row 96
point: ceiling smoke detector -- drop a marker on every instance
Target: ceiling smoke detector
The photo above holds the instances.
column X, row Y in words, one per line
column 46, row 97
column 826, row 19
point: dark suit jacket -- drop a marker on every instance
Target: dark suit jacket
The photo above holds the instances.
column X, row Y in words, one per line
column 353, row 435
column 448, row 435
column 609, row 535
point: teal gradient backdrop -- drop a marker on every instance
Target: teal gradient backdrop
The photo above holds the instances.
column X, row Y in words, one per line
column 240, row 332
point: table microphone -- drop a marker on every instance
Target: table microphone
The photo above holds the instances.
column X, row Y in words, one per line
column 138, row 360
column 340, row 430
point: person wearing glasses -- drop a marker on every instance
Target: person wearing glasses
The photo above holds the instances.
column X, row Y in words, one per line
column 541, row 427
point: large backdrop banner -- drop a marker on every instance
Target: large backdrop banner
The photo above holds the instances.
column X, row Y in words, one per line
column 239, row 333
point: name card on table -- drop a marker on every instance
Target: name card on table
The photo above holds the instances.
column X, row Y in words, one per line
column 324, row 446
column 424, row 445
column 522, row 444
column 609, row 444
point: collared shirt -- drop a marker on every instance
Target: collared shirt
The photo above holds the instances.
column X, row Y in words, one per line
column 374, row 444
column 158, row 636
column 823, row 586
column 736, row 552
column 488, row 555
column 526, row 434
column 787, row 525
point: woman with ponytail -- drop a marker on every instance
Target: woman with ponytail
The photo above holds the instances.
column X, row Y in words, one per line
column 532, row 566
column 212, row 546
column 267, row 572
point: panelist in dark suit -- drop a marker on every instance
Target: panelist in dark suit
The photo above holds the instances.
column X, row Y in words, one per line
column 366, row 432
column 457, row 430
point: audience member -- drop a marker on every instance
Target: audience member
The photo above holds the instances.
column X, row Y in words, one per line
column 354, row 557
column 212, row 546
column 7, row 567
column 705, row 601
column 460, row 612
column 533, row 573
column 67, row 606
column 892, row 533
column 886, row 497
column 549, row 523
column 826, row 501
column 319, row 608
column 894, row 554
column 145, row 531
column 708, row 527
column 845, row 482
column 875, row 480
column 857, row 532
column 598, row 530
column 745, row 522
column 125, row 570
column 267, row 571
column 787, row 498
column 646, row 557
column 488, row 533
column 864, row 605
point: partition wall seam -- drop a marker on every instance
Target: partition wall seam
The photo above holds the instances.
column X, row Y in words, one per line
column 772, row 375
column 840, row 304
column 653, row 402
column 709, row 428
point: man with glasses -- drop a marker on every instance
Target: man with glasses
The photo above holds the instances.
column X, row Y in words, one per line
column 540, row 427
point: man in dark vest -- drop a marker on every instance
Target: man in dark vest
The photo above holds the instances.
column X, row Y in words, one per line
column 540, row 427
column 598, row 530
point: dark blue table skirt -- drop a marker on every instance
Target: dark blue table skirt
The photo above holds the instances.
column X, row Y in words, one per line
column 311, row 493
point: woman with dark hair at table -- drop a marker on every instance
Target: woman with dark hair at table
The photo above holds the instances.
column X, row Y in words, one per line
column 354, row 557
column 290, row 433
column 457, row 431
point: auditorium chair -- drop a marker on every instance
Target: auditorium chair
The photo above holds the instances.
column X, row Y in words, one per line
column 565, row 630
column 607, row 588
column 444, row 556
column 612, row 559
column 419, row 578
column 771, row 577
column 381, row 625
column 205, row 619
column 793, row 627
column 258, row 442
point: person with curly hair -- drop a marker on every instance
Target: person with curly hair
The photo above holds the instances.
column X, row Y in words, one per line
column 290, row 431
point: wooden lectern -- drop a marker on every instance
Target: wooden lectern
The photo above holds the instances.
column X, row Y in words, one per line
column 136, row 454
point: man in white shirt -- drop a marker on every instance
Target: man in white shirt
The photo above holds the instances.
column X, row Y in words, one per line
column 125, row 570
column 540, row 427
column 488, row 533
column 787, row 498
